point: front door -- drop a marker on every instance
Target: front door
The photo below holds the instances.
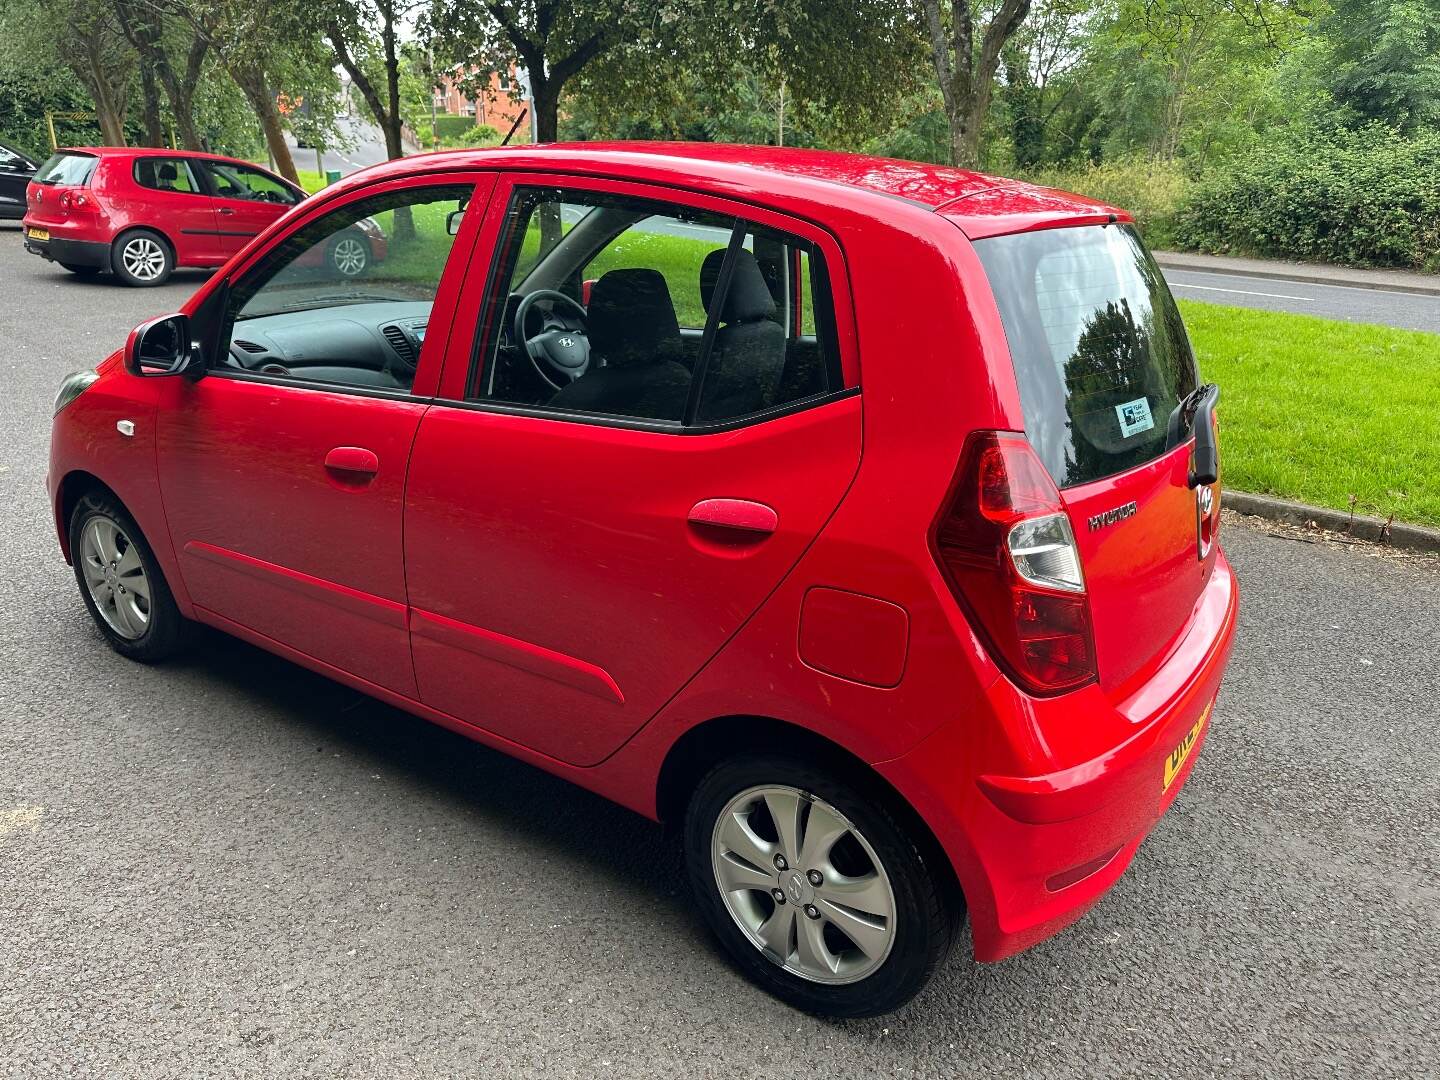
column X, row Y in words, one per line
column 578, row 548
column 247, row 201
column 283, row 469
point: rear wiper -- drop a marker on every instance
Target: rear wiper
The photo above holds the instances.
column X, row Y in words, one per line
column 1196, row 414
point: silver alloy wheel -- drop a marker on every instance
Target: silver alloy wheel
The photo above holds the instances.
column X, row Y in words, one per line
column 349, row 256
column 115, row 577
column 143, row 257
column 774, row 851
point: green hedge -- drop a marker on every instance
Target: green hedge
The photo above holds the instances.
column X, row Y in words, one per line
column 1153, row 191
column 1363, row 198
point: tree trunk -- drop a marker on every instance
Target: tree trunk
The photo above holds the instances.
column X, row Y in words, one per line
column 150, row 107
column 251, row 81
column 545, row 100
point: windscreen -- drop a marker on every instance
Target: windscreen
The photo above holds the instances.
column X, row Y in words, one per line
column 1100, row 353
column 66, row 170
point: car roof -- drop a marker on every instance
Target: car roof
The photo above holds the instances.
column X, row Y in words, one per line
column 981, row 204
column 154, row 151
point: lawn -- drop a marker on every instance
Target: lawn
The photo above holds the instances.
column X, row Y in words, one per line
column 1323, row 411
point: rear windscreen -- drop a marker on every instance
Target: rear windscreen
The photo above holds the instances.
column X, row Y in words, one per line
column 1100, row 353
column 66, row 170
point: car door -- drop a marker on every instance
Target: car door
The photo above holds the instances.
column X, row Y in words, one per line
column 247, row 201
column 169, row 194
column 16, row 172
column 569, row 571
column 283, row 468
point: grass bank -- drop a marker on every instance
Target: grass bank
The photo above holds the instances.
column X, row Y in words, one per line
column 1323, row 411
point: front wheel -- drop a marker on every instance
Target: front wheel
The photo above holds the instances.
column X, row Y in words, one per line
column 814, row 887
column 349, row 255
column 121, row 583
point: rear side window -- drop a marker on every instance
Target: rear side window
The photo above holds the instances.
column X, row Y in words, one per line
column 67, row 170
column 1100, row 353
column 166, row 174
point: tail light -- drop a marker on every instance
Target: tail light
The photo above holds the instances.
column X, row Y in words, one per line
column 73, row 200
column 1005, row 546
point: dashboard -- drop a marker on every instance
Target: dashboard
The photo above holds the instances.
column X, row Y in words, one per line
column 354, row 343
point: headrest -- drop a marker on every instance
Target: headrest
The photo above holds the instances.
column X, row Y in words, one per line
column 632, row 318
column 749, row 298
column 167, row 171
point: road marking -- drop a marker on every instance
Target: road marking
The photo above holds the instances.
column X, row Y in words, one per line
column 19, row 818
column 1241, row 292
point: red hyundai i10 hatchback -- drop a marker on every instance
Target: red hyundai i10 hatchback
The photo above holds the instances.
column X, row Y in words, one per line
column 857, row 516
column 140, row 213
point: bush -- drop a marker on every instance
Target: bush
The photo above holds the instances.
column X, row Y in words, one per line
column 474, row 135
column 1363, row 198
column 1153, row 191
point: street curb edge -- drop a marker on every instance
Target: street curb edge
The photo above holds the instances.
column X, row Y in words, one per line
column 1410, row 537
column 1168, row 263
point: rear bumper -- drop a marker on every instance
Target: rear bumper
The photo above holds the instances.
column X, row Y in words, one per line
column 1034, row 853
column 72, row 252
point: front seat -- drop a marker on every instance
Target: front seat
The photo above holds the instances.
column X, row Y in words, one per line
column 635, row 351
column 748, row 356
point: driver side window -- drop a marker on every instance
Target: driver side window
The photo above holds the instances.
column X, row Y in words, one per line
column 345, row 300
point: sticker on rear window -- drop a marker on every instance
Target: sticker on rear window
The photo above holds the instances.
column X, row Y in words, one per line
column 1135, row 417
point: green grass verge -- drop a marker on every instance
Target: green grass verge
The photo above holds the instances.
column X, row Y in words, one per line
column 1325, row 411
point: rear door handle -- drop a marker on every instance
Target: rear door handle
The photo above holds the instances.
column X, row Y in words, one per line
column 355, row 460
column 740, row 515
column 226, row 210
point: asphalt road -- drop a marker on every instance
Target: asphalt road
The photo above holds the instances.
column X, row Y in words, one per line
column 1409, row 311
column 364, row 146
column 227, row 866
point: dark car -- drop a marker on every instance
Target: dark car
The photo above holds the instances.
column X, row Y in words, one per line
column 17, row 169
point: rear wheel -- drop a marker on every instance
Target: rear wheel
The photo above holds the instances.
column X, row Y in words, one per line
column 82, row 271
column 814, row 887
column 121, row 583
column 142, row 258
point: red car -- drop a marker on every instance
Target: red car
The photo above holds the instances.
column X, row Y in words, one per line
column 141, row 212
column 857, row 516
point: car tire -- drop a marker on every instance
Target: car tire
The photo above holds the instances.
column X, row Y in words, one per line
column 348, row 254
column 875, row 881
column 142, row 258
column 81, row 271
column 116, row 569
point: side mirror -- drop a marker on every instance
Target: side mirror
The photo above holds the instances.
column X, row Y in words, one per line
column 162, row 347
column 453, row 220
column 585, row 287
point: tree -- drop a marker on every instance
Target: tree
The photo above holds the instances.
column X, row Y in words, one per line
column 553, row 40
column 154, row 36
column 352, row 30
column 84, row 37
column 965, row 67
column 1385, row 60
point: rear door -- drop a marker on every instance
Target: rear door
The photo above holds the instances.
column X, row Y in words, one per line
column 1103, row 362
column 568, row 572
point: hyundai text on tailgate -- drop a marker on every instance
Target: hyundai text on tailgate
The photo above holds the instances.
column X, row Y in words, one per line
column 857, row 516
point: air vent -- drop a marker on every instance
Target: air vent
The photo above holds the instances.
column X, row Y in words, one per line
column 250, row 346
column 398, row 340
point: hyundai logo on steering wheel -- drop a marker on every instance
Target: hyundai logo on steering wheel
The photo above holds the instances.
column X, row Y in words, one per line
column 566, row 342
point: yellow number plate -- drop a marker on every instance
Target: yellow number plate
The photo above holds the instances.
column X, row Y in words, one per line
column 38, row 234
column 1176, row 761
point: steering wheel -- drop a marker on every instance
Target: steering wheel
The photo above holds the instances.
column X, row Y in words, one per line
column 561, row 351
